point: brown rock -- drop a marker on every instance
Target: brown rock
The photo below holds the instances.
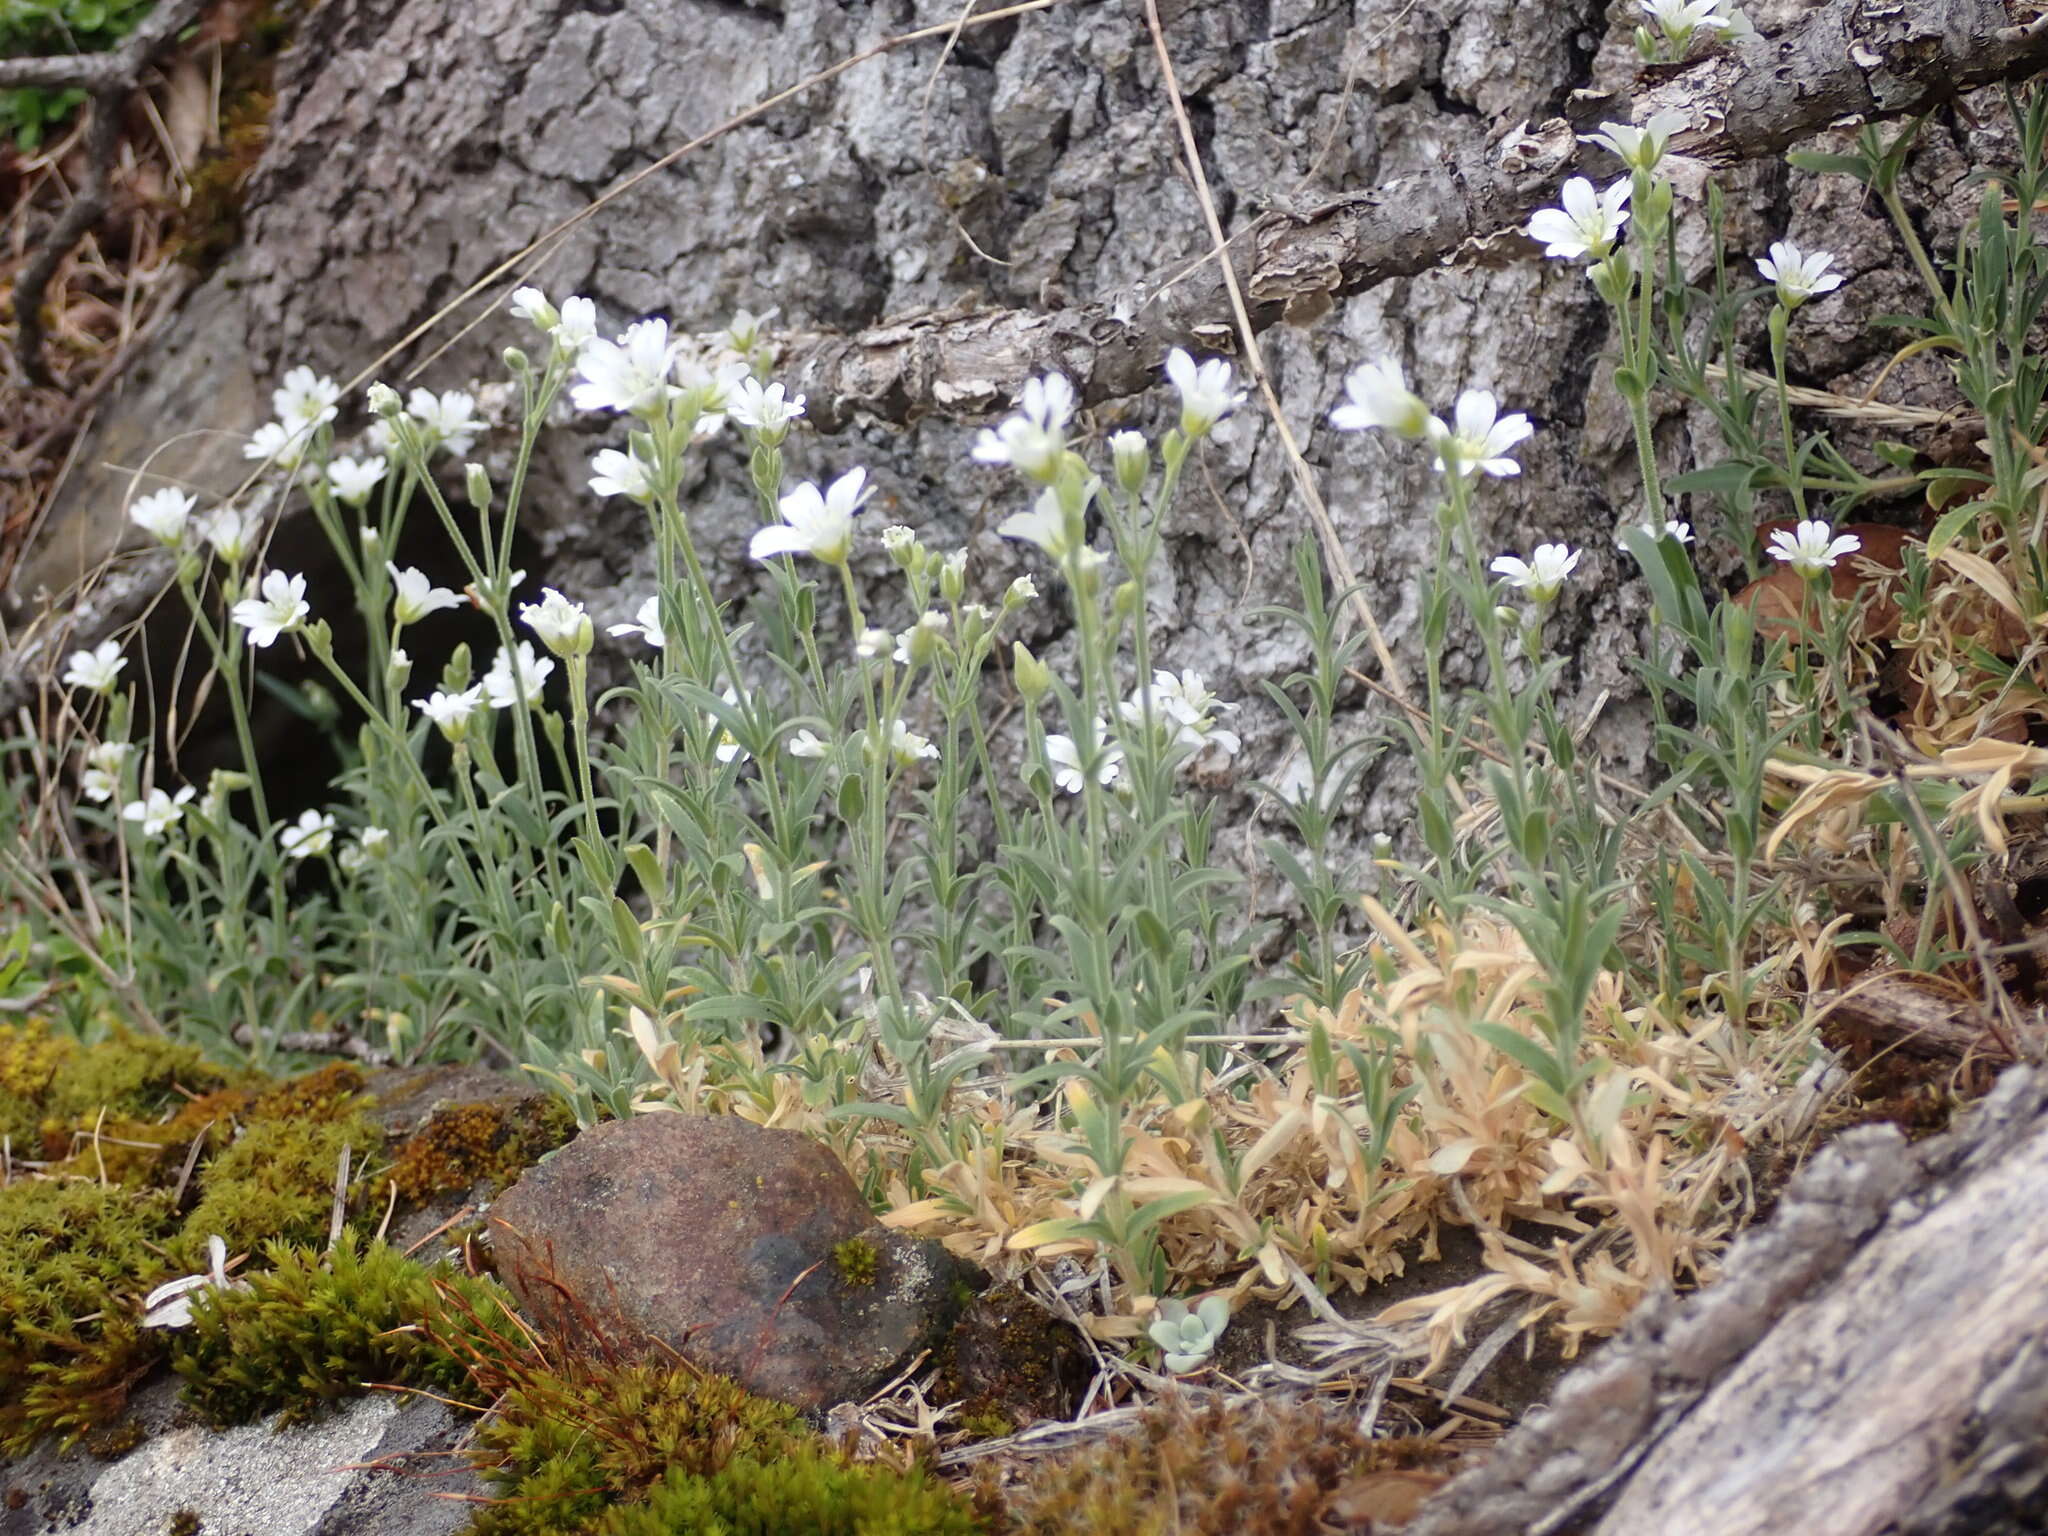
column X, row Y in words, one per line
column 748, row 1250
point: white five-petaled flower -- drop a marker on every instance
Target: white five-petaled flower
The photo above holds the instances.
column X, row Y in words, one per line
column 281, row 609
column 414, row 595
column 1480, row 438
column 1813, row 547
column 1639, row 148
column 1679, row 19
column 157, row 812
column 446, row 421
column 630, row 374
column 727, row 747
column 304, row 399
column 101, row 780
column 743, row 334
column 1065, row 757
column 1378, row 396
column 162, row 514
column 563, row 626
column 532, row 305
column 646, row 623
column 1542, row 574
column 1047, row 526
column 1800, row 275
column 1206, row 395
column 1188, row 1339
column 1183, row 705
column 501, row 687
column 1673, row 528
column 170, row 1304
column 621, row 474
column 312, row 833
column 807, row 743
column 231, row 531
column 907, row 747
column 452, row 711
column 763, row 408
column 1033, row 440
column 96, row 670
column 352, row 480
column 276, row 443
column 813, row 523
column 1587, row 225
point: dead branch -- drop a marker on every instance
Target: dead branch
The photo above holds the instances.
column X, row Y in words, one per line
column 109, row 77
column 1851, row 60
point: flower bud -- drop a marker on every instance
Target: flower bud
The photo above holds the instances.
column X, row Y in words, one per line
column 1126, row 599
column 398, row 672
column 1021, row 591
column 516, row 362
column 953, row 576
column 1133, row 457
column 900, row 543
column 1033, row 676
column 384, row 401
column 479, row 486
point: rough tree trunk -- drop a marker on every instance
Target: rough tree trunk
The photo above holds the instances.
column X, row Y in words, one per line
column 931, row 220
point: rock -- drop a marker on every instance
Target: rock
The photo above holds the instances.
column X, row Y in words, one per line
column 749, row 1250
column 309, row 1480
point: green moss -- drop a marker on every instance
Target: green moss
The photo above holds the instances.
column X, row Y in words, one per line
column 53, row 1090
column 857, row 1260
column 75, row 1259
column 806, row 1492
column 315, row 1327
column 463, row 1145
column 185, row 1523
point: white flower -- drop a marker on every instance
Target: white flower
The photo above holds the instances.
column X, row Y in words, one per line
column 352, row 480
column 807, row 743
column 1813, row 548
column 1800, row 275
column 1673, row 529
column 1378, row 396
column 1032, row 440
column 819, row 525
column 1132, row 456
column 1481, row 438
column 907, row 747
column 447, row 421
column 313, row 833
column 621, row 474
column 1542, row 574
column 743, row 335
column 1588, row 224
column 630, row 374
column 275, row 443
column 763, row 407
column 563, row 626
column 1206, row 396
column 170, row 1304
column 161, row 514
column 500, row 686
column 1021, row 591
column 370, row 843
column 304, row 400
column 231, row 531
column 1189, row 1338
column 101, row 780
column 872, row 643
column 532, row 305
column 1640, row 148
column 1738, row 27
column 1183, row 705
column 727, row 746
column 159, row 812
column 646, row 623
column 452, row 711
column 281, row 609
column 97, row 669
column 1679, row 19
column 579, row 324
column 1045, row 525
column 414, row 595
column 920, row 643
column 1065, row 758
